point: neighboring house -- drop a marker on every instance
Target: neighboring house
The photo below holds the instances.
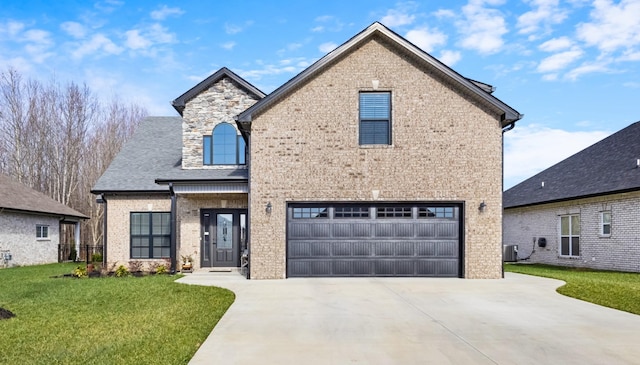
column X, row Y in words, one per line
column 30, row 224
column 377, row 160
column 583, row 211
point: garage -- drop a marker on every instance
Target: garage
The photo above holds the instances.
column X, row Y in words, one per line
column 374, row 239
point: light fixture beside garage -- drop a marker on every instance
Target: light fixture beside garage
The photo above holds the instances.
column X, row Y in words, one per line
column 268, row 208
column 482, row 206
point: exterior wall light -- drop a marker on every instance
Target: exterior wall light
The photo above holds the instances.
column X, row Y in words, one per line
column 268, row 209
column 482, row 206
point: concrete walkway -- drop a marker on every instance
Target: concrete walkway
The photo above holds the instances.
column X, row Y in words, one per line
column 518, row 320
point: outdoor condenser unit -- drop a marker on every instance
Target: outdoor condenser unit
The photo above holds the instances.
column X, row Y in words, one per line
column 510, row 253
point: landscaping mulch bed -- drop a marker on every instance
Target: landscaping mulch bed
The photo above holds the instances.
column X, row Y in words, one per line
column 6, row 314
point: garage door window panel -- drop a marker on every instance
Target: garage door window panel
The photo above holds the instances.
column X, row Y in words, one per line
column 351, row 212
column 394, row 212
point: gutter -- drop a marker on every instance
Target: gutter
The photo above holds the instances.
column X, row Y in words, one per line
column 103, row 200
column 172, row 249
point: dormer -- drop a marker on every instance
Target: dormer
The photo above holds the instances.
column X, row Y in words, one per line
column 210, row 138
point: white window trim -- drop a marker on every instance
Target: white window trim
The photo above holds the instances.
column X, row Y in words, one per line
column 602, row 234
column 39, row 230
column 571, row 255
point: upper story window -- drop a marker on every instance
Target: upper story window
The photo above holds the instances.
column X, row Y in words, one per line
column 42, row 231
column 375, row 118
column 223, row 147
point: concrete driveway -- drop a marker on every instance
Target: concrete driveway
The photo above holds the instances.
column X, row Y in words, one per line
column 518, row 320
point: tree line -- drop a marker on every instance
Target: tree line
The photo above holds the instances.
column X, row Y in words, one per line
column 58, row 138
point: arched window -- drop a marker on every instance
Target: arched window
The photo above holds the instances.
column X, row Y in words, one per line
column 224, row 146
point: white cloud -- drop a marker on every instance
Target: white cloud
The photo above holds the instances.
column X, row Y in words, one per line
column 588, row 68
column 165, row 12
column 450, row 58
column 12, row 28
column 532, row 148
column 556, row 44
column 327, row 23
column 545, row 13
column 613, row 26
column 135, row 40
column 560, row 60
column 98, row 42
column 74, row 29
column 426, row 38
column 482, row 28
column 228, row 45
column 142, row 39
column 236, row 28
column 396, row 18
column 327, row 47
column 444, row 13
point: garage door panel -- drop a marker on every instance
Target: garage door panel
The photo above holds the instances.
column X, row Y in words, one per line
column 425, row 230
column 422, row 243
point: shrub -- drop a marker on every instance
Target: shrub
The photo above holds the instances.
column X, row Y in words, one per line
column 121, row 271
column 80, row 272
column 135, row 266
column 96, row 257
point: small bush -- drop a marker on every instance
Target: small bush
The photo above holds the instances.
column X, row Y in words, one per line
column 161, row 269
column 121, row 271
column 135, row 266
column 80, row 272
column 96, row 257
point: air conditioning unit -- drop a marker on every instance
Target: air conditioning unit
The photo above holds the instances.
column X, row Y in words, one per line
column 510, row 253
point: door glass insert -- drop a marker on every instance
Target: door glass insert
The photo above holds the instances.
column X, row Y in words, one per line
column 225, row 231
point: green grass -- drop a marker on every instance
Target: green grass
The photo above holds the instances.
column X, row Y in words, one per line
column 147, row 320
column 619, row 290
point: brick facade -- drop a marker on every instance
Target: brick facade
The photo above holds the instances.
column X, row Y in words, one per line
column 620, row 251
column 446, row 147
column 18, row 235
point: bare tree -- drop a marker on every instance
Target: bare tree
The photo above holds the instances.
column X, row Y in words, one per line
column 60, row 139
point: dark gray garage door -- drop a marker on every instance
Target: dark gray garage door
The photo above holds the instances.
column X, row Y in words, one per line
column 329, row 239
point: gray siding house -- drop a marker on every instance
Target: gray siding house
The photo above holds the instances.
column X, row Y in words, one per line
column 367, row 163
column 583, row 211
column 30, row 224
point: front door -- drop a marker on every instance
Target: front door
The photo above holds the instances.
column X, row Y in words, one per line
column 223, row 237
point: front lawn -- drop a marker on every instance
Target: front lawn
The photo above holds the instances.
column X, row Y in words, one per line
column 131, row 320
column 612, row 289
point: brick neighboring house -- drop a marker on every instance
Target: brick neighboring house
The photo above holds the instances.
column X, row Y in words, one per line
column 377, row 160
column 30, row 224
column 583, row 211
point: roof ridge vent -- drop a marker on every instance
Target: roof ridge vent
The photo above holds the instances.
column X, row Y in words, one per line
column 638, row 163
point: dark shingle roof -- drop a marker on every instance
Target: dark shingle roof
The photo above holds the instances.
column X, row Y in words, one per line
column 17, row 197
column 155, row 152
column 609, row 166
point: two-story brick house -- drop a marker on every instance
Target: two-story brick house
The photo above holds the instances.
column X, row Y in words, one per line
column 377, row 160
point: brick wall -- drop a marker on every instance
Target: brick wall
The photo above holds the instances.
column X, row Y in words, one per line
column 619, row 251
column 119, row 229
column 18, row 234
column 218, row 104
column 446, row 147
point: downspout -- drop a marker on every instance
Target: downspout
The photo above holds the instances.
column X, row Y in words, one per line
column 248, row 158
column 173, row 230
column 506, row 129
column 103, row 200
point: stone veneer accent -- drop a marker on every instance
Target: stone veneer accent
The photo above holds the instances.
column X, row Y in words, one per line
column 218, row 104
column 18, row 234
column 619, row 251
column 446, row 147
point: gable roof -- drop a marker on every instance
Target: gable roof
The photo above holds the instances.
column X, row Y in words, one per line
column 509, row 116
column 607, row 167
column 180, row 102
column 17, row 197
column 155, row 152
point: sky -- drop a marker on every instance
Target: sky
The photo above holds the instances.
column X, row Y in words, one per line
column 571, row 67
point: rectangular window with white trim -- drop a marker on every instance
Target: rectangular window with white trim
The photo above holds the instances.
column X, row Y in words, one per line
column 42, row 232
column 605, row 224
column 570, row 235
